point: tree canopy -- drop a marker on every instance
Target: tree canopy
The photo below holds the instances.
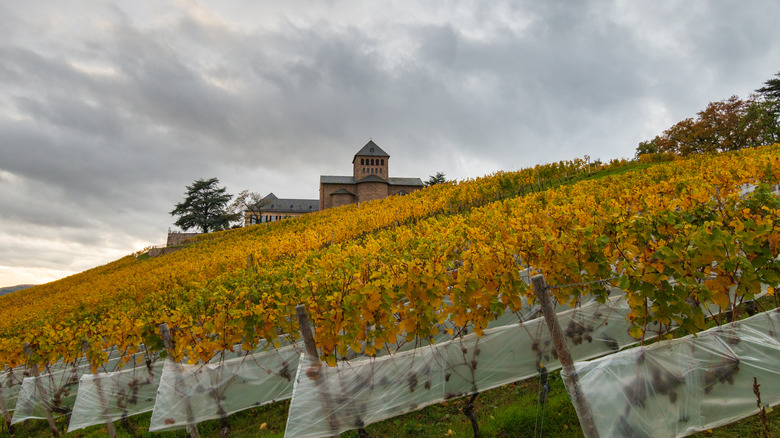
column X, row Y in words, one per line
column 727, row 125
column 246, row 202
column 204, row 207
column 439, row 178
column 771, row 88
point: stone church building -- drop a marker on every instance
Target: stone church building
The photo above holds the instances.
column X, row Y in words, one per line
column 370, row 180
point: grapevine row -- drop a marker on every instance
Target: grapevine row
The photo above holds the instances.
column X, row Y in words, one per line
column 683, row 220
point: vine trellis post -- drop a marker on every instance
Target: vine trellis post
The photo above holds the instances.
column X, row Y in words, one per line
column 568, row 373
column 101, row 396
column 311, row 352
column 165, row 334
column 33, row 367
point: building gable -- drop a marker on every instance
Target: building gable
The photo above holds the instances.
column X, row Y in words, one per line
column 370, row 150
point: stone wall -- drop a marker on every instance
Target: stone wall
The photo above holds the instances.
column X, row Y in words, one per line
column 178, row 238
column 369, row 191
column 326, row 190
column 156, row 252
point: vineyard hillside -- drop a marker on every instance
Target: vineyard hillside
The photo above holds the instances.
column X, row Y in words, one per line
column 405, row 264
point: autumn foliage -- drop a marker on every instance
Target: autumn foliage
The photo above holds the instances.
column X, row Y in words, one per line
column 675, row 234
column 727, row 125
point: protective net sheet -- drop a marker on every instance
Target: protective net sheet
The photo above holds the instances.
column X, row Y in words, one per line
column 675, row 388
column 11, row 379
column 55, row 391
column 10, row 383
column 330, row 400
column 189, row 394
column 55, row 388
column 113, row 396
column 127, row 392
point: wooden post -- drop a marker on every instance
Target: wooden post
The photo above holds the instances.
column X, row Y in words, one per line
column 250, row 263
column 165, row 333
column 41, row 391
column 306, row 332
column 569, row 374
column 101, row 396
column 311, row 351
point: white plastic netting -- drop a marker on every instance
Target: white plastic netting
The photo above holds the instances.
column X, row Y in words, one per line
column 330, row 400
column 55, row 391
column 56, row 387
column 675, row 388
column 10, row 383
column 189, row 394
column 113, row 396
column 355, row 393
column 124, row 393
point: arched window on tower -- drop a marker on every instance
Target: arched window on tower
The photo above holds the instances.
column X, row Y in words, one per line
column 372, row 161
column 362, row 161
column 383, row 161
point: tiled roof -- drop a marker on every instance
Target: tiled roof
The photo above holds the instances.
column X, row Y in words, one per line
column 371, row 150
column 331, row 179
column 399, row 181
column 277, row 205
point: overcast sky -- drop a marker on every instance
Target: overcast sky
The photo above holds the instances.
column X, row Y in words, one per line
column 109, row 109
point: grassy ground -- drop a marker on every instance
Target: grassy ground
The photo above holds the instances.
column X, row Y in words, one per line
column 509, row 411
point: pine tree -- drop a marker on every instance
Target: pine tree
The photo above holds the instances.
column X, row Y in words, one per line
column 205, row 207
column 771, row 88
column 439, row 178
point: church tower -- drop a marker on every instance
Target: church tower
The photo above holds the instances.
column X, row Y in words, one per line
column 370, row 160
column 370, row 180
